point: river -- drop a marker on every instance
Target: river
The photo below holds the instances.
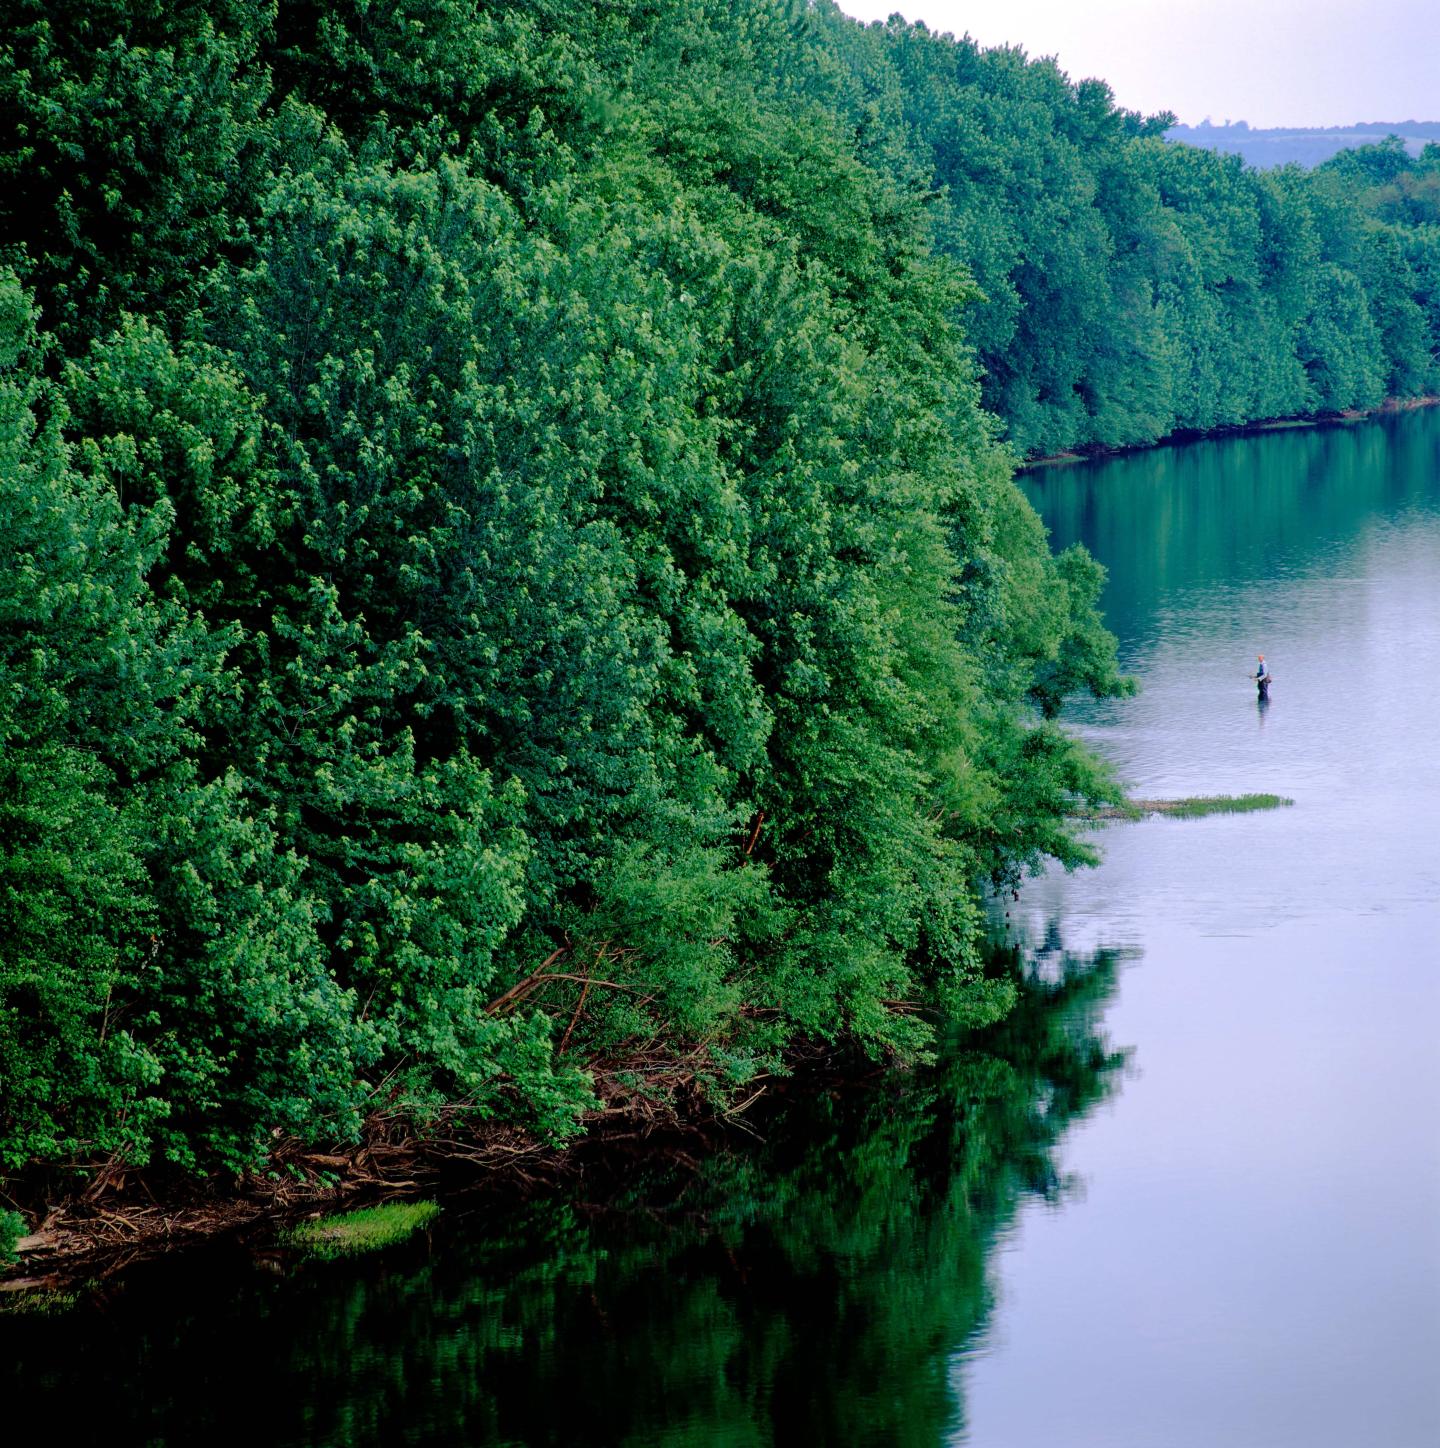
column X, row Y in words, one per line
column 1256, row 1260
column 1188, row 1195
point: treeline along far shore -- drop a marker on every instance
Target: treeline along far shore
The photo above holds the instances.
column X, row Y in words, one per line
column 508, row 556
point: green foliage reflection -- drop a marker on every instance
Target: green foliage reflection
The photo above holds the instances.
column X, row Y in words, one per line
column 816, row 1288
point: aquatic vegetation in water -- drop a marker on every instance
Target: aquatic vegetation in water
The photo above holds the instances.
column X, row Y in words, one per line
column 1205, row 804
column 1191, row 807
column 368, row 1230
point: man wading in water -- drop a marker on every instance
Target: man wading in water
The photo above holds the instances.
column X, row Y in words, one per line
column 1262, row 678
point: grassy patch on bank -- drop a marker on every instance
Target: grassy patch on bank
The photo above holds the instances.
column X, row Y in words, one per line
column 1192, row 807
column 36, row 1302
column 368, row 1230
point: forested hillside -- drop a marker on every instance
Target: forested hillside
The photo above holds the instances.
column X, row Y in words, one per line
column 1306, row 145
column 1134, row 287
column 504, row 569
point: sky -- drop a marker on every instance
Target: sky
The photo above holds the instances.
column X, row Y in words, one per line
column 1268, row 62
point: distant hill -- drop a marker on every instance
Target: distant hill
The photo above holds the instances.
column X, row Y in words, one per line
column 1307, row 145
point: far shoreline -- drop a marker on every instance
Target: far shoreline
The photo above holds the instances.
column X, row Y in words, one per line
column 1094, row 452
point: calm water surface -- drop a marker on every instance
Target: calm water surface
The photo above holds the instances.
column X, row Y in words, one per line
column 1256, row 1258
column 1225, row 1234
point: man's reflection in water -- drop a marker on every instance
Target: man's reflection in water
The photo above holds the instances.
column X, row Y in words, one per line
column 1262, row 708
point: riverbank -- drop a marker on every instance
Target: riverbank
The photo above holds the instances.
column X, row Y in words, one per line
column 1094, row 451
column 648, row 1109
column 123, row 1215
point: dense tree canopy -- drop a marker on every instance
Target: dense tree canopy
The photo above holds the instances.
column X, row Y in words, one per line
column 505, row 564
column 1134, row 287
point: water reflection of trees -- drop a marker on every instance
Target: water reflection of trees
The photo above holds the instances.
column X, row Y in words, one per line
column 811, row 1290
column 1163, row 521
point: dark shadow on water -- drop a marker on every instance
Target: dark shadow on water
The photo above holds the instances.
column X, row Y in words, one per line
column 813, row 1289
